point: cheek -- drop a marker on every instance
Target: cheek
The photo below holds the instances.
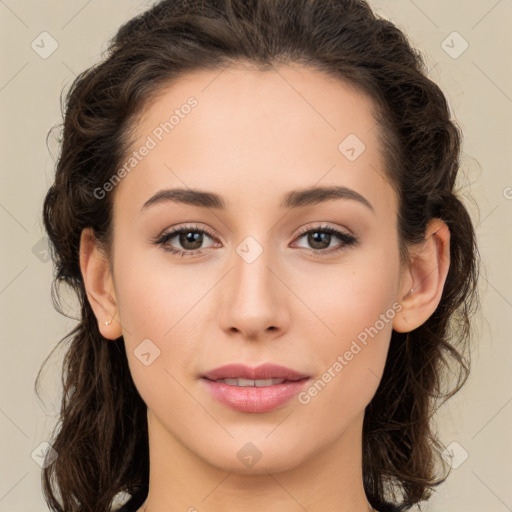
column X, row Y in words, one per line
column 357, row 304
column 155, row 295
column 158, row 307
column 351, row 362
column 152, row 314
column 353, row 296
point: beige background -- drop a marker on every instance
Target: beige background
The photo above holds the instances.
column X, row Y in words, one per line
column 478, row 84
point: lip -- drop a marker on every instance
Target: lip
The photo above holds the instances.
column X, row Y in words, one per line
column 264, row 371
column 251, row 398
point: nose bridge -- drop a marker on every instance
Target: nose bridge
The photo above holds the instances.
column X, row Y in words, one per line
column 252, row 276
column 254, row 300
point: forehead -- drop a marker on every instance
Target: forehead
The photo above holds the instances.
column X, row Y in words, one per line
column 236, row 128
column 305, row 100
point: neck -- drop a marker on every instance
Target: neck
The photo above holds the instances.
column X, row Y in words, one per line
column 330, row 479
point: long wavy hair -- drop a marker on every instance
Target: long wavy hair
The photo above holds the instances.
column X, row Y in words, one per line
column 101, row 436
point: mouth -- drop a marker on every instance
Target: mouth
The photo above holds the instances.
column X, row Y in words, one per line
column 255, row 390
column 267, row 374
column 258, row 383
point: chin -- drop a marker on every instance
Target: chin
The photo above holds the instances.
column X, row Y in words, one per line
column 256, row 455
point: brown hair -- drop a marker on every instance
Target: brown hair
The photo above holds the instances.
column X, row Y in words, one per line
column 101, row 439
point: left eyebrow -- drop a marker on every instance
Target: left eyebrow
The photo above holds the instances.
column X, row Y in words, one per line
column 316, row 195
column 293, row 199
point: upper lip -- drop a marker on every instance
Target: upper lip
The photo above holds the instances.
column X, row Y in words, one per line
column 264, row 371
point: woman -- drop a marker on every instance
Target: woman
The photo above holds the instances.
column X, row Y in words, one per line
column 255, row 205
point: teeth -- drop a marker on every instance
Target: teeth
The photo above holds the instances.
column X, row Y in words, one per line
column 249, row 382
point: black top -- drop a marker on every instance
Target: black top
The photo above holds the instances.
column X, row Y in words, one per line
column 133, row 504
column 137, row 499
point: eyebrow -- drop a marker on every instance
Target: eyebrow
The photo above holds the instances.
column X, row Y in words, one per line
column 293, row 199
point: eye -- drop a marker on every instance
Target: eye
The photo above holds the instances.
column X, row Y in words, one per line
column 191, row 238
column 320, row 238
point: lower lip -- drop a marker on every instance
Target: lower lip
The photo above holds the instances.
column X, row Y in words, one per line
column 252, row 398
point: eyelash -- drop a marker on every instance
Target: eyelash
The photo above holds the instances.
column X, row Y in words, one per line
column 347, row 240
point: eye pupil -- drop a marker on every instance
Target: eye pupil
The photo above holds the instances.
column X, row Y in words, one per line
column 195, row 238
column 315, row 239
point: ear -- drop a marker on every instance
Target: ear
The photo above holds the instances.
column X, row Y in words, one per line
column 425, row 276
column 99, row 285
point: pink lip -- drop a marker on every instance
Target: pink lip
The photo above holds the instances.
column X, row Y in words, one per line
column 251, row 398
column 264, row 371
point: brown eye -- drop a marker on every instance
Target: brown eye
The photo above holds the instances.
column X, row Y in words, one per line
column 190, row 240
column 319, row 239
column 186, row 241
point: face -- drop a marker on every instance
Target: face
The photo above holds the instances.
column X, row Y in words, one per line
column 308, row 281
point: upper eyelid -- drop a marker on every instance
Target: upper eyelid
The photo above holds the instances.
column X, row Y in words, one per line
column 323, row 226
column 179, row 229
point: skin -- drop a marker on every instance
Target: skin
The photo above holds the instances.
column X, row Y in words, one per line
column 253, row 137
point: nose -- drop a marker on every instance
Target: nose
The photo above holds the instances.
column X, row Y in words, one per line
column 253, row 302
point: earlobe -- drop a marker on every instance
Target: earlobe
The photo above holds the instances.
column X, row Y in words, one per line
column 425, row 278
column 97, row 277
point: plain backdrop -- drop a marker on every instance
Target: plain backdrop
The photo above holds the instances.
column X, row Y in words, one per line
column 467, row 47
